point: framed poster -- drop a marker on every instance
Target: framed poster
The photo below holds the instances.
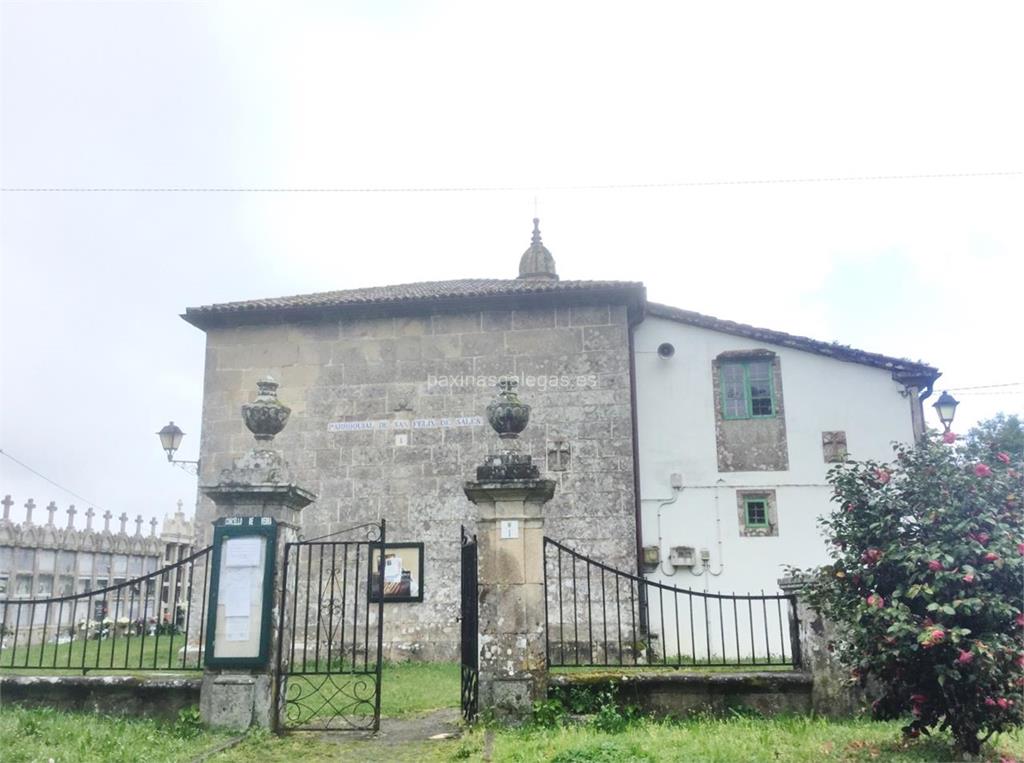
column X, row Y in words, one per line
column 403, row 572
column 242, row 575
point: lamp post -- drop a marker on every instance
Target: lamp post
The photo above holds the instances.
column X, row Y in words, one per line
column 945, row 407
column 170, row 439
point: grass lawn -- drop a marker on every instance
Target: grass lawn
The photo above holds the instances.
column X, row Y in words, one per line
column 39, row 735
column 415, row 688
column 790, row 740
column 114, row 655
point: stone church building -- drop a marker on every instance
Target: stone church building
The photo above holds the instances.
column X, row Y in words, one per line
column 388, row 387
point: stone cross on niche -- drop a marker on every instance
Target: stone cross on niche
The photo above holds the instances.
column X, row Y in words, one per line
column 124, row 520
column 138, row 525
column 29, row 505
column 71, row 516
column 51, row 509
column 89, row 514
column 152, row 527
column 7, row 503
column 106, row 520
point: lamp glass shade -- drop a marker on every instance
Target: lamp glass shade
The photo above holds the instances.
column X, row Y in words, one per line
column 170, row 438
column 945, row 407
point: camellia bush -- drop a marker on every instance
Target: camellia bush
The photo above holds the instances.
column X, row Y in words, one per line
column 926, row 587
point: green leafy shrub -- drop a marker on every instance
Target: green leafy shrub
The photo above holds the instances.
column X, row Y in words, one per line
column 926, row 585
column 549, row 713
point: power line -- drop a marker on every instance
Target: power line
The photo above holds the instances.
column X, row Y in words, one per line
column 521, row 188
column 55, row 484
column 985, row 386
column 996, row 394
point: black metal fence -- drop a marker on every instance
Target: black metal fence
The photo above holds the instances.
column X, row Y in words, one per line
column 138, row 625
column 597, row 615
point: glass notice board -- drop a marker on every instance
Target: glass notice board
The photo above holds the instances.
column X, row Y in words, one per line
column 241, row 595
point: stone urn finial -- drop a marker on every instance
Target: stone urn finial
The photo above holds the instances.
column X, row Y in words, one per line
column 507, row 414
column 266, row 415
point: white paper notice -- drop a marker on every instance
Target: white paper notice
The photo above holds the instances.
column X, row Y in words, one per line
column 242, row 552
column 236, row 591
column 236, row 628
column 392, row 570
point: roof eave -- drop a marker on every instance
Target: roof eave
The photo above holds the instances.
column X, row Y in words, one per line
column 904, row 371
column 632, row 295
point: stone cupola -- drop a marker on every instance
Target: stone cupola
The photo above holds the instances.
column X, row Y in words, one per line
column 537, row 262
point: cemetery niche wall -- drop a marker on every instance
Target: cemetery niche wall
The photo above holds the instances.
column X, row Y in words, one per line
column 44, row 560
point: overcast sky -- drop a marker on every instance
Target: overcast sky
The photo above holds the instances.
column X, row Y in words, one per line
column 386, row 95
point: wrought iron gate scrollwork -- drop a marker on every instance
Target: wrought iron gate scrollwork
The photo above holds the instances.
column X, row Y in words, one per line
column 330, row 636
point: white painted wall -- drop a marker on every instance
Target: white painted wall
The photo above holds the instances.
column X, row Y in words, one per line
column 676, row 422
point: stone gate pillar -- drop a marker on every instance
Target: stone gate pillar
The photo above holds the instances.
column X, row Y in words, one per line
column 833, row 694
column 511, row 495
column 258, row 485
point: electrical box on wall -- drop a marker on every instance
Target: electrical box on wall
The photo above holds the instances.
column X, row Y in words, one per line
column 651, row 557
column 682, row 556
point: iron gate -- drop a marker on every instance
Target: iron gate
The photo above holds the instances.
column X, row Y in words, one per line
column 330, row 632
column 469, row 621
column 596, row 615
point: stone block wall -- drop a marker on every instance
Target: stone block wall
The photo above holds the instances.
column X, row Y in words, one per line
column 574, row 370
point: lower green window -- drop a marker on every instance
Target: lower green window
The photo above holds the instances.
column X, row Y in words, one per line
column 756, row 510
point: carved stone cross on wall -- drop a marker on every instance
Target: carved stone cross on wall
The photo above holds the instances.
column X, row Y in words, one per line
column 29, row 505
column 124, row 521
column 106, row 520
column 138, row 525
column 152, row 527
column 7, row 503
column 89, row 514
column 51, row 509
column 71, row 516
column 558, row 455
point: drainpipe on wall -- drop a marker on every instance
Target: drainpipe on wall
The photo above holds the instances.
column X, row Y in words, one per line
column 633, row 321
column 662, row 549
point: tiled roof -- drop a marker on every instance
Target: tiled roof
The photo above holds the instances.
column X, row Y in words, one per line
column 438, row 293
column 901, row 367
column 425, row 292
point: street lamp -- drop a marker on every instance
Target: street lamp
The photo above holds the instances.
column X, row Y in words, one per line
column 170, row 439
column 945, row 407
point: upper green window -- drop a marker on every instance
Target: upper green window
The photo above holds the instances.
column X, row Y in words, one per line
column 747, row 389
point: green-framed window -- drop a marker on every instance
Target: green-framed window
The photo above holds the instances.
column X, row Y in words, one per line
column 755, row 512
column 748, row 391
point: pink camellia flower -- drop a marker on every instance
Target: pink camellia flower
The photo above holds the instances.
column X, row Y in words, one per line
column 935, row 565
column 937, row 635
column 1020, row 660
column 1003, row 703
column 965, row 657
column 882, row 476
column 949, row 438
column 1004, row 457
column 918, row 699
column 876, row 601
column 982, row 470
column 871, row 556
column 1020, row 620
column 1020, row 549
column 968, row 578
column 989, row 702
column 991, row 556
